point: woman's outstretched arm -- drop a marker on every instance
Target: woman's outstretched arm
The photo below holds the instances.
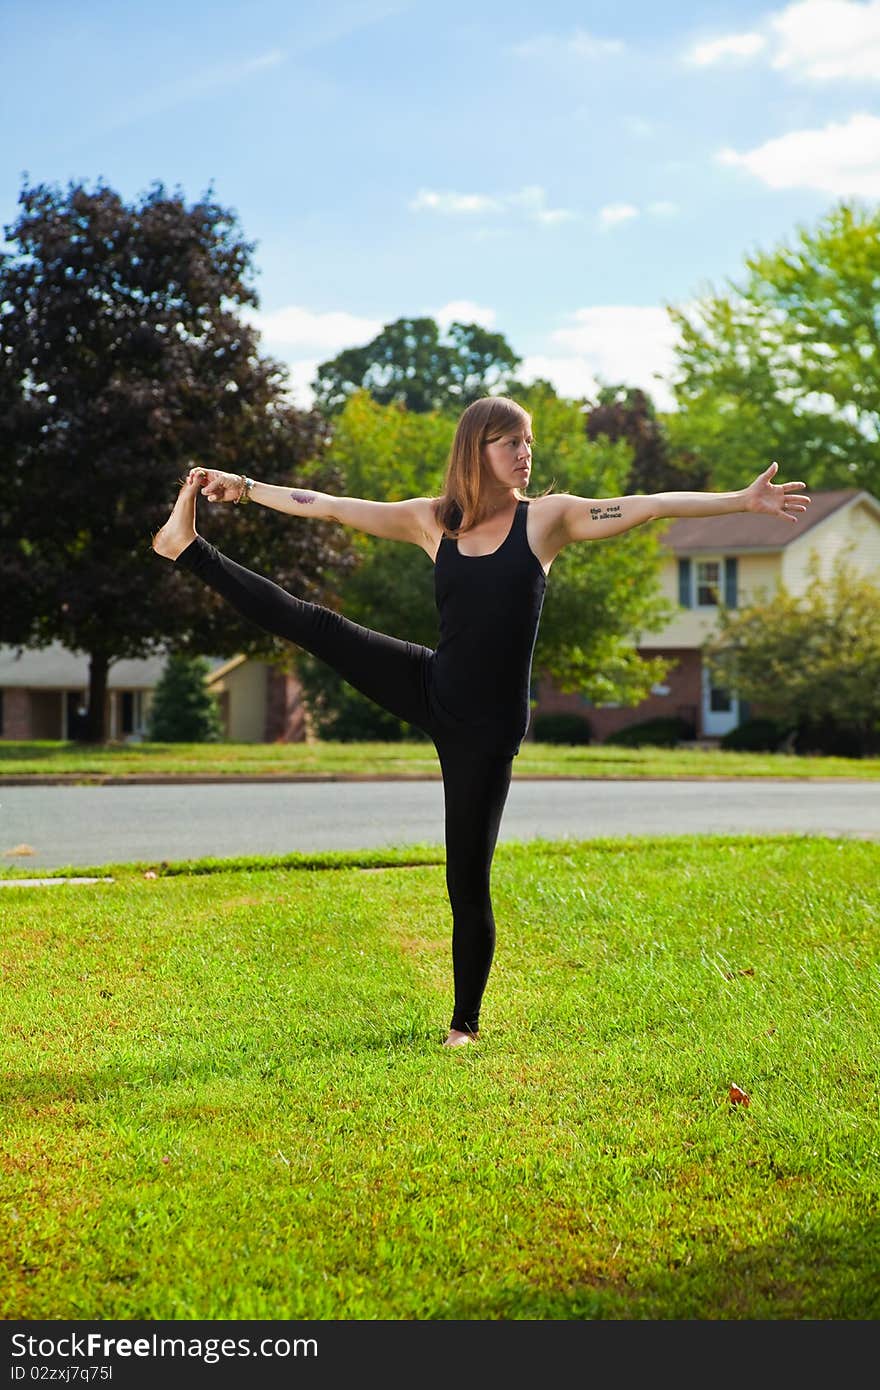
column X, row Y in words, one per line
column 594, row 518
column 408, row 520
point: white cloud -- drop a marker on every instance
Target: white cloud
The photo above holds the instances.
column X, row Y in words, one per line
column 531, row 199
column 614, row 213
column 302, row 372
column 614, row 343
column 704, row 55
column 462, row 311
column 579, row 45
column 814, row 39
column 302, row 338
column 825, row 39
column 452, row 204
column 843, row 158
column 296, row 327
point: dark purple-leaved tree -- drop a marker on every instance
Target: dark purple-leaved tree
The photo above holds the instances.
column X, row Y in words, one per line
column 124, row 358
column 627, row 412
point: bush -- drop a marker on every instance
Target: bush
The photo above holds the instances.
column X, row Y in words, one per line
column 660, row 733
column 561, row 728
column 183, row 709
column 755, row 736
column 835, row 740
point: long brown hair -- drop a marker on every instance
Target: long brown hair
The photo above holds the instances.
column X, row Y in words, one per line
column 463, row 503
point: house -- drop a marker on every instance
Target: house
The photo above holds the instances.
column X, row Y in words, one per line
column 44, row 693
column 735, row 558
column 259, row 703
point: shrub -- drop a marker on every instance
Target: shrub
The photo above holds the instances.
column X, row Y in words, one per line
column 661, row 733
column 755, row 736
column 183, row 709
column 835, row 740
column 561, row 728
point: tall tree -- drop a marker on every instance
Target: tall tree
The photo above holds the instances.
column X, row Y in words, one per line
column 627, row 412
column 786, row 363
column 122, row 358
column 408, row 364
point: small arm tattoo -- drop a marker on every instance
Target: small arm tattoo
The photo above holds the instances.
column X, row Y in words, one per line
column 304, row 497
column 605, row 513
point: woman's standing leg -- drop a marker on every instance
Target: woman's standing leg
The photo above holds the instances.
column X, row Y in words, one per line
column 475, row 790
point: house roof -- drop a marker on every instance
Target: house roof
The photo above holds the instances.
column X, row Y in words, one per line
column 751, row 531
column 225, row 667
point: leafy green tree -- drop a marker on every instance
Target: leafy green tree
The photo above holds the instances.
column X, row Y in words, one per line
column 123, row 357
column 408, row 364
column 183, row 710
column 785, row 364
column 810, row 661
column 601, row 595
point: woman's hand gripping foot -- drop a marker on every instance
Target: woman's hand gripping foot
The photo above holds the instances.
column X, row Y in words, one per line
column 180, row 528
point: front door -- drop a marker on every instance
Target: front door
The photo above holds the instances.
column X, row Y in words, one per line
column 720, row 709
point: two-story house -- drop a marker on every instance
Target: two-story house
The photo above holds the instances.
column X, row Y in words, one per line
column 734, row 559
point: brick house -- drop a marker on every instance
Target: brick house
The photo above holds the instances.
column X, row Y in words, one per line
column 734, row 558
column 43, row 695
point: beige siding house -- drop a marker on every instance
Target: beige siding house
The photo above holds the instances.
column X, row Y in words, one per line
column 736, row 559
column 258, row 702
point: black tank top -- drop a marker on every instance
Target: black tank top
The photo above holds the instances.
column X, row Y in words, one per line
column 489, row 608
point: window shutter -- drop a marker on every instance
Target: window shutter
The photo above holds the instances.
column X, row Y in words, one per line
column 730, row 581
column 684, row 583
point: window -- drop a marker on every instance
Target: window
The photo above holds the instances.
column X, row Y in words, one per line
column 706, row 583
column 130, row 712
column 708, row 579
column 720, row 701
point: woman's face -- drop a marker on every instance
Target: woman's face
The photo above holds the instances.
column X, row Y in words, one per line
column 509, row 459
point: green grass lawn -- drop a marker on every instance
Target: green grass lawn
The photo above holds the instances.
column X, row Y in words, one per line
column 224, row 1095
column 416, row 759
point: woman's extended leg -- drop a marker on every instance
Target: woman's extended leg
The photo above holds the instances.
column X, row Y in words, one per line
column 392, row 673
column 475, row 789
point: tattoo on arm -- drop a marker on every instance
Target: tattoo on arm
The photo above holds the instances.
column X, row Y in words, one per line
column 606, row 513
column 304, row 497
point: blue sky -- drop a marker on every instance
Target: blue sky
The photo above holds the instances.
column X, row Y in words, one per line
column 558, row 172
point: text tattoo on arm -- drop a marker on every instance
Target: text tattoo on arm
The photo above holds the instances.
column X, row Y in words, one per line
column 304, row 497
column 606, row 513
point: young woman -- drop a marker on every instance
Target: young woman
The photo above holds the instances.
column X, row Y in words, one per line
column 492, row 549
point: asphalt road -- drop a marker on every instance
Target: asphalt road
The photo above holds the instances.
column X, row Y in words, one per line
column 93, row 825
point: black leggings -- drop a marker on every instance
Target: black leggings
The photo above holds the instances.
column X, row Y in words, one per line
column 395, row 675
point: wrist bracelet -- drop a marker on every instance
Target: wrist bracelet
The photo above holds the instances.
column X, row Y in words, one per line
column 246, row 485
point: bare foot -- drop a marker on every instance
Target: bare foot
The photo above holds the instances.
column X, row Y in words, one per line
column 180, row 528
column 458, row 1039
